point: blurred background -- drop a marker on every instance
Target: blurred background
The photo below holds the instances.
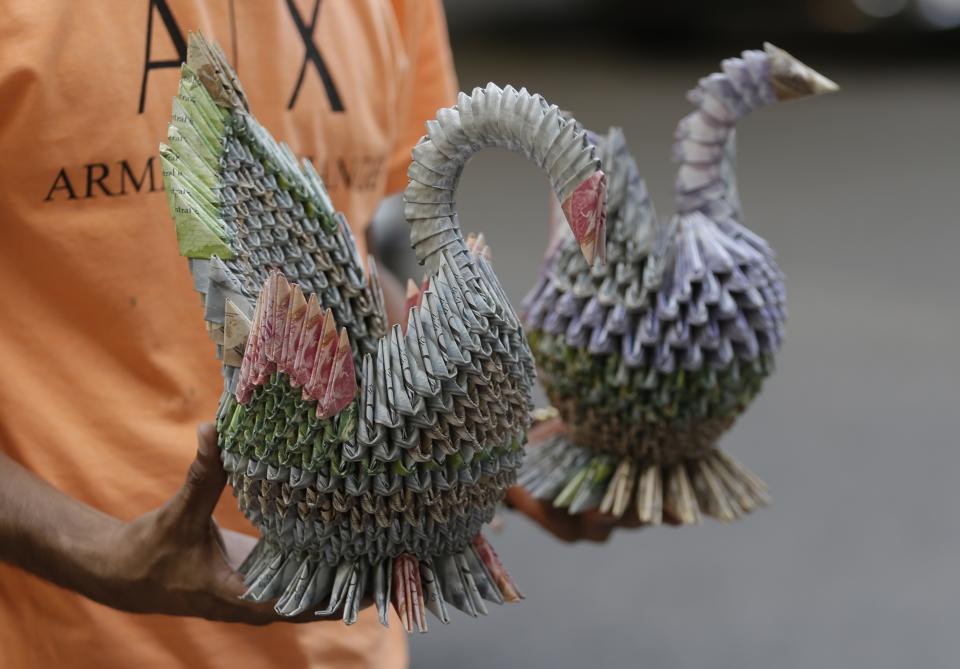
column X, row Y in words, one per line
column 855, row 563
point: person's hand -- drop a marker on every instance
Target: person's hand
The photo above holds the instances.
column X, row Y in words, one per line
column 175, row 560
column 588, row 526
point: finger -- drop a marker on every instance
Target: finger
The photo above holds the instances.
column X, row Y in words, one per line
column 670, row 519
column 230, row 607
column 228, row 588
column 596, row 532
column 205, row 480
column 600, row 519
column 629, row 520
column 265, row 614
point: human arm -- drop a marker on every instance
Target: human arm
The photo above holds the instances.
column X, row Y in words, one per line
column 172, row 560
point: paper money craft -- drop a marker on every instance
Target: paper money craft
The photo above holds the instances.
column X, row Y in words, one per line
column 368, row 456
column 650, row 359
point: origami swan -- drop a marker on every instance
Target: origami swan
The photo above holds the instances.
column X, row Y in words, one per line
column 651, row 358
column 368, row 457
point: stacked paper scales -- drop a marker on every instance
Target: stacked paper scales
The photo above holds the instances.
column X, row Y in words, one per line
column 368, row 457
column 649, row 359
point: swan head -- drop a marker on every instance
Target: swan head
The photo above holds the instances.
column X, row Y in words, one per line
column 586, row 212
column 791, row 78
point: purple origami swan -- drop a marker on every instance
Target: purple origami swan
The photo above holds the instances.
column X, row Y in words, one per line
column 650, row 358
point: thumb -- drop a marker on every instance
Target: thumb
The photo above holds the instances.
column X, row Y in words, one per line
column 205, row 479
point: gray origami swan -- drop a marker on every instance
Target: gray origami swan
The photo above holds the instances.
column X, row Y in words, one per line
column 368, row 457
column 650, row 358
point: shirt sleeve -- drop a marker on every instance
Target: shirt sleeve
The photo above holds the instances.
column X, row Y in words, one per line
column 431, row 82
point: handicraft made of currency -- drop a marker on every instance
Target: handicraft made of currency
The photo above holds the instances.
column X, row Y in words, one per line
column 650, row 358
column 368, row 456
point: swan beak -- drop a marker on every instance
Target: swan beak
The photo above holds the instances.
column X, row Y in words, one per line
column 586, row 212
column 792, row 79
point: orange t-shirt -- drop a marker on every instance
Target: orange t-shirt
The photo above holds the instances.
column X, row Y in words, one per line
column 105, row 365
